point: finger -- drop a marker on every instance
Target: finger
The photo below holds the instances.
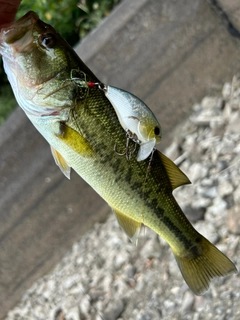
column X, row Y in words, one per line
column 8, row 9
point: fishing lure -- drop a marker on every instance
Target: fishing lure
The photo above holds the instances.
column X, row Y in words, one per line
column 135, row 117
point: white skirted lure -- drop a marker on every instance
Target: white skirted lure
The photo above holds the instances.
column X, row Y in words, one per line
column 135, row 116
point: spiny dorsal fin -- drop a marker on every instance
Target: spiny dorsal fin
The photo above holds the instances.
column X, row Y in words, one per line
column 176, row 176
column 61, row 162
column 130, row 227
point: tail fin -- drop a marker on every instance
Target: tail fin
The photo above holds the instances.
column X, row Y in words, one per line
column 202, row 263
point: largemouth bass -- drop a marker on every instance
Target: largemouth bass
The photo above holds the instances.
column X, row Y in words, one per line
column 82, row 128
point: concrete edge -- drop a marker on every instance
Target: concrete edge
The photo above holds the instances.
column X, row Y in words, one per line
column 93, row 42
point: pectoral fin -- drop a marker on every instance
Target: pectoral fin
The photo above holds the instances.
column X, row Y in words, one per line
column 75, row 141
column 176, row 176
column 61, row 162
column 130, row 227
column 145, row 149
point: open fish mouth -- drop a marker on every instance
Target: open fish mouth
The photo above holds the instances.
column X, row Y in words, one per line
column 18, row 36
column 20, row 44
column 19, row 28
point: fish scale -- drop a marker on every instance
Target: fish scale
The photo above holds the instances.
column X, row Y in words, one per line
column 83, row 131
column 112, row 133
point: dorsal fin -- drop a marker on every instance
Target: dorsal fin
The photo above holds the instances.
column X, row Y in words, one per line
column 176, row 176
column 131, row 227
column 61, row 162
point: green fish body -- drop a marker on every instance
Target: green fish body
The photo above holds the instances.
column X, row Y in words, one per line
column 82, row 129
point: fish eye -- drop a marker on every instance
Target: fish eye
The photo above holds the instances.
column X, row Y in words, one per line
column 156, row 131
column 47, row 40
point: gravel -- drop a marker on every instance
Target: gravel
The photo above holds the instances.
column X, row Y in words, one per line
column 105, row 277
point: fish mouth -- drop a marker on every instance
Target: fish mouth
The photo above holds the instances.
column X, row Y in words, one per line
column 21, row 36
column 18, row 37
column 19, row 28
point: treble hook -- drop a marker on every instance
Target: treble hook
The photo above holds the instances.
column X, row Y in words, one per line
column 127, row 151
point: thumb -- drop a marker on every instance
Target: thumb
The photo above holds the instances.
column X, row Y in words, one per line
column 8, row 10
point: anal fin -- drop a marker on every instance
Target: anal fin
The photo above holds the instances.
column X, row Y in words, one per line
column 131, row 227
column 61, row 162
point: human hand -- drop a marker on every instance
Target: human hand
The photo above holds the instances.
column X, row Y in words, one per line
column 8, row 10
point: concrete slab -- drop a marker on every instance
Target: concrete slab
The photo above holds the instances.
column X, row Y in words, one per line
column 170, row 54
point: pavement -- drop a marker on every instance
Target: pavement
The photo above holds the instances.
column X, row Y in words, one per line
column 168, row 53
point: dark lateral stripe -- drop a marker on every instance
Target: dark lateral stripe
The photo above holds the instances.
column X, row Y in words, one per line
column 177, row 233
